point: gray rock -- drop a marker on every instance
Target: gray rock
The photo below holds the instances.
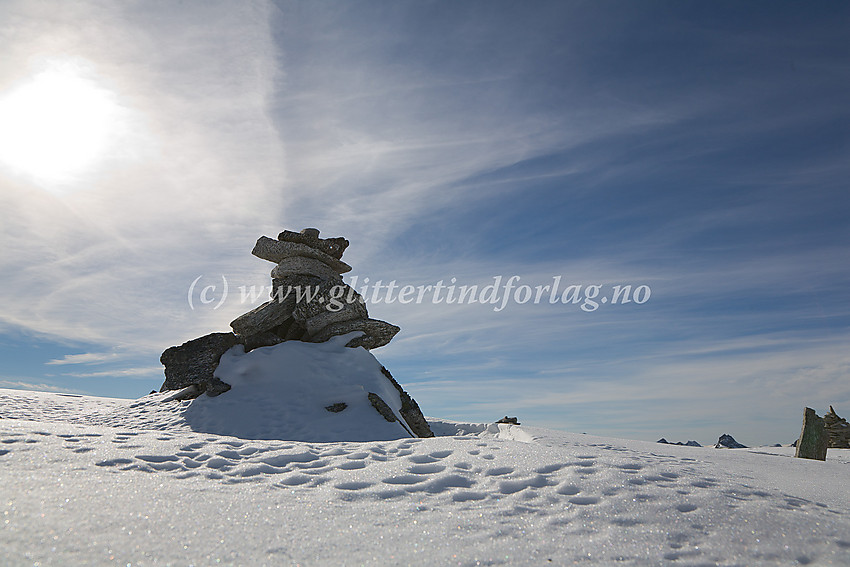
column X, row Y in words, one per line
column 293, row 285
column 264, row 318
column 381, row 406
column 410, row 409
column 838, row 430
column 267, row 338
column 310, row 236
column 296, row 331
column 337, row 407
column 376, row 333
column 813, row 440
column 321, row 320
column 334, row 302
column 329, row 295
column 726, row 441
column 194, row 362
column 301, row 265
column 664, row 441
column 276, row 250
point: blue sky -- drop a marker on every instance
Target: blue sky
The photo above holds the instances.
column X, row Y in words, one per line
column 700, row 149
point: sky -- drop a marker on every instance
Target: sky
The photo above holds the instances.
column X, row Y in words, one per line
column 695, row 151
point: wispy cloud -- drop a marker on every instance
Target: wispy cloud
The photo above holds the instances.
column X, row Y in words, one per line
column 38, row 387
column 85, row 358
column 145, row 372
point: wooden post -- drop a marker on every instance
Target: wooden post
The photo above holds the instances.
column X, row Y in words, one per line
column 813, row 438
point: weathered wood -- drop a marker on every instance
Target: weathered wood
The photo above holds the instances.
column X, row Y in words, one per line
column 813, row 438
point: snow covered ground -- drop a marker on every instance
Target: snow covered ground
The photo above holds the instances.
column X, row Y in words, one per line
column 99, row 481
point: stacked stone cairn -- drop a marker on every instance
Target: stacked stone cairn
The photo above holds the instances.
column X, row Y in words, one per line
column 837, row 429
column 309, row 302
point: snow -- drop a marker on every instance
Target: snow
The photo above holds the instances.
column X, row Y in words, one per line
column 243, row 479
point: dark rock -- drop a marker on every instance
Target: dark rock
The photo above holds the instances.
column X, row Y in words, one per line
column 310, row 236
column 194, row 362
column 377, row 333
column 337, row 407
column 410, row 411
column 379, row 404
column 726, row 441
column 216, row 388
column 259, row 340
column 688, row 444
column 386, row 411
column 813, row 440
column 837, row 429
column 510, row 420
column 296, row 331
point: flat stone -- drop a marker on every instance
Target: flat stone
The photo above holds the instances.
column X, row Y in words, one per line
column 310, row 236
column 813, row 440
column 276, row 250
column 195, row 361
column 377, row 333
column 303, row 266
column 351, row 311
column 264, row 318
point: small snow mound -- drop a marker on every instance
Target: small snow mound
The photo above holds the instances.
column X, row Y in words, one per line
column 446, row 428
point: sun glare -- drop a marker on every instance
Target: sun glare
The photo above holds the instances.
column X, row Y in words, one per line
column 55, row 126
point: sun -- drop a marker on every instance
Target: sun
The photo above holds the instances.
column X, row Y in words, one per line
column 56, row 125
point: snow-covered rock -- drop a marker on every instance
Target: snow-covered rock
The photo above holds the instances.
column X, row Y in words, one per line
column 726, row 441
column 283, row 392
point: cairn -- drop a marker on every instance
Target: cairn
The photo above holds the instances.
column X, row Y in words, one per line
column 309, row 302
column 838, row 430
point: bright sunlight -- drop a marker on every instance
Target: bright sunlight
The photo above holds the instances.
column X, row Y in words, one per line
column 55, row 126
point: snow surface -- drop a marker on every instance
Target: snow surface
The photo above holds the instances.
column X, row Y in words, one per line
column 98, row 481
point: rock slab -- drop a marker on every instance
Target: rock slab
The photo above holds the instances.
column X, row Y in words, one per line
column 194, row 362
column 813, row 440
